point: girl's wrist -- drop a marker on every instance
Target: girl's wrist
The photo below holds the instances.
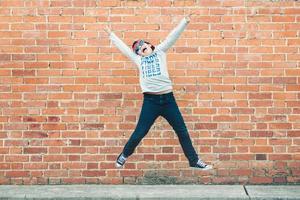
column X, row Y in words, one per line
column 187, row 19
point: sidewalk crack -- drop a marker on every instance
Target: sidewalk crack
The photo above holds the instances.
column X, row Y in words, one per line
column 244, row 186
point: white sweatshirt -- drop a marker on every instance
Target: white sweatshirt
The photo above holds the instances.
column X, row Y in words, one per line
column 153, row 73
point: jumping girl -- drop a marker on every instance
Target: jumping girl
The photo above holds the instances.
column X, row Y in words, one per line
column 157, row 92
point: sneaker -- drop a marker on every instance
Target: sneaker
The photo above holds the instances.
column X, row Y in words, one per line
column 201, row 165
column 120, row 160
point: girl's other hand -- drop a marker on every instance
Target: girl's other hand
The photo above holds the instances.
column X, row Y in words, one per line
column 188, row 17
column 107, row 29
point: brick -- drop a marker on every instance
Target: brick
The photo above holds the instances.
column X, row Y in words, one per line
column 59, row 34
column 7, row 3
column 17, row 173
column 280, row 180
column 93, row 173
column 86, row 80
column 279, row 157
column 55, row 158
column 58, row 19
column 205, row 126
column 208, row 3
column 242, row 142
column 284, row 80
column 105, row 3
column 261, row 149
column 157, row 3
column 242, row 110
column 54, row 127
column 261, row 156
column 131, row 173
column 260, row 180
column 60, row 4
column 92, row 126
column 294, row 133
column 261, row 133
column 35, row 134
column 280, row 142
column 242, row 157
column 84, row 19
column 224, row 149
column 260, row 95
column 186, row 50
column 280, row 126
column 16, row 158
column 35, row 150
column 110, row 96
column 204, row 111
column 283, row 19
column 241, row 172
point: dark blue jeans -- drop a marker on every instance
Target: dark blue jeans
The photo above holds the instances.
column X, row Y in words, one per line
column 161, row 105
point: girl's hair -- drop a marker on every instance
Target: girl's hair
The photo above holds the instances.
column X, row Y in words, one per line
column 152, row 47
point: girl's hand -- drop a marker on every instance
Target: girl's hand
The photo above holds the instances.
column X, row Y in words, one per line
column 107, row 29
column 188, row 17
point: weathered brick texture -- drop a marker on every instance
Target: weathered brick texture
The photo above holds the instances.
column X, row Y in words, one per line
column 70, row 100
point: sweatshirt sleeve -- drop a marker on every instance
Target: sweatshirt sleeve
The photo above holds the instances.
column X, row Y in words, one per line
column 124, row 48
column 173, row 35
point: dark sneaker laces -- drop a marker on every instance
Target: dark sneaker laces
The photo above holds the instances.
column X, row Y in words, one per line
column 201, row 165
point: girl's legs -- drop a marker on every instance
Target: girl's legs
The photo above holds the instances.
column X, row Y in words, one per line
column 149, row 112
column 166, row 106
column 172, row 114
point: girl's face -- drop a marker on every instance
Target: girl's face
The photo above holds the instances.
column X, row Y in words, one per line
column 145, row 50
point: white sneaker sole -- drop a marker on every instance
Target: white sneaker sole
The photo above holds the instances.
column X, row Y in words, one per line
column 118, row 165
column 208, row 167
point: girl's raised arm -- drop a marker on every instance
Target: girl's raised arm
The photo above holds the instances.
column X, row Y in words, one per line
column 173, row 35
column 121, row 45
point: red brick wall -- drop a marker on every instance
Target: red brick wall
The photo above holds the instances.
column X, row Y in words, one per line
column 70, row 100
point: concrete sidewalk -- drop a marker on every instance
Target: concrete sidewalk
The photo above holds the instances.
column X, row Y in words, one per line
column 149, row 192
